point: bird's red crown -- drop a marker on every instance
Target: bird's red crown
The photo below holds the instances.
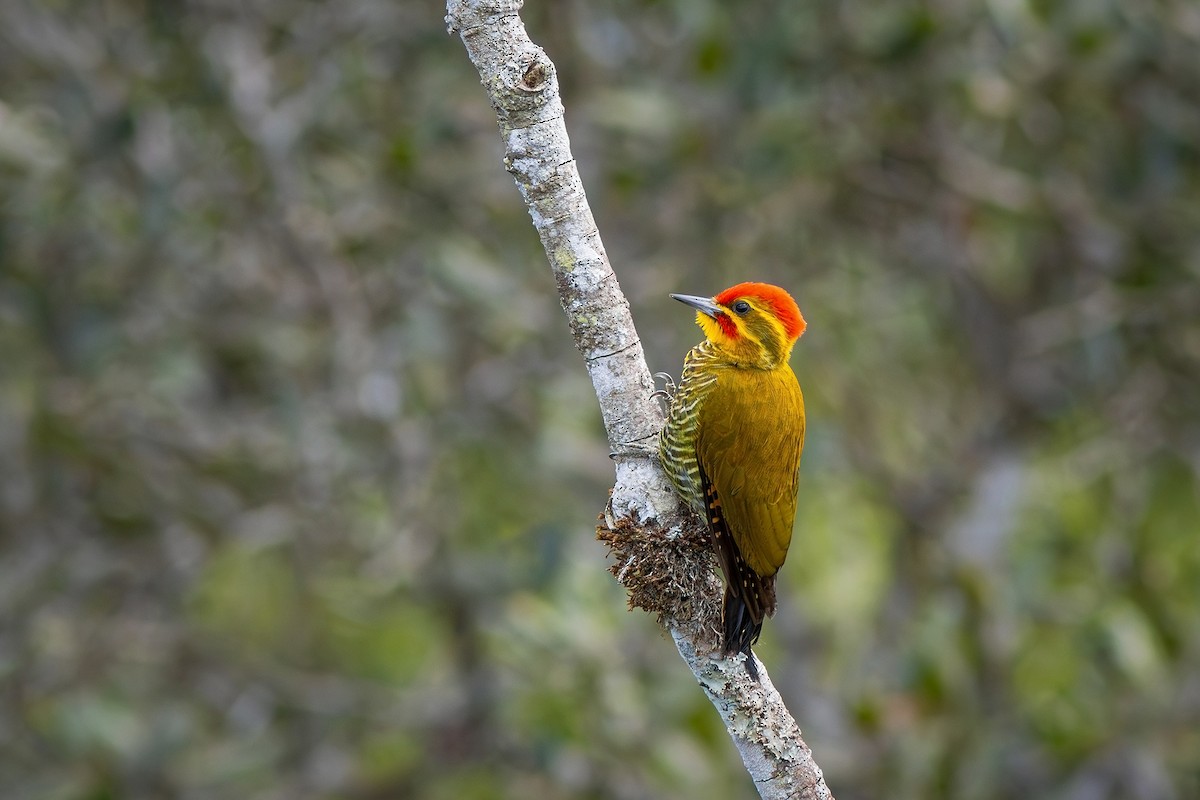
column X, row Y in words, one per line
column 780, row 302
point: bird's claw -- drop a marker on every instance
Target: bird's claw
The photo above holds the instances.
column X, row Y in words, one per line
column 668, row 390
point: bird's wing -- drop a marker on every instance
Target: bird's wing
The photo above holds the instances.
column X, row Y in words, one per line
column 749, row 597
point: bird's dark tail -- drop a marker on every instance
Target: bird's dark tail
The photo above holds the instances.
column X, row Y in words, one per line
column 741, row 631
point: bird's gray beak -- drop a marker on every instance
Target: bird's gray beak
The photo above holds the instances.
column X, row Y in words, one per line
column 704, row 305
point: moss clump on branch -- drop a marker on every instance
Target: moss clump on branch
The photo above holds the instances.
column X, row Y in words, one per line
column 669, row 576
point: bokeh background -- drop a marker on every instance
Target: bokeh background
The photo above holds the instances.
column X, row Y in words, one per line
column 300, row 470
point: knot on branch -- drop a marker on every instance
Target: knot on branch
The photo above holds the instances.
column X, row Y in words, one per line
column 669, row 576
column 527, row 83
column 535, row 77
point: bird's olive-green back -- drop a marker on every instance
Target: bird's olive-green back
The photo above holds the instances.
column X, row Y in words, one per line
column 749, row 438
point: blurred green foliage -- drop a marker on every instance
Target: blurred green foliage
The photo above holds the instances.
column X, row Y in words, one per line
column 300, row 469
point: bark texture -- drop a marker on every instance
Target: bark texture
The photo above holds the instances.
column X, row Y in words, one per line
column 521, row 84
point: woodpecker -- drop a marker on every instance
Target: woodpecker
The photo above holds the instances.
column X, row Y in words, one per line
column 732, row 442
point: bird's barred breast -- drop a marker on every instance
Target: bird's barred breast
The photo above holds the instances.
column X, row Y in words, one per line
column 677, row 442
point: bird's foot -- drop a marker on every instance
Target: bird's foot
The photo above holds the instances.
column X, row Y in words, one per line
column 642, row 448
column 668, row 390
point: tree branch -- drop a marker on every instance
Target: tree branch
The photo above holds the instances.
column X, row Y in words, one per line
column 661, row 550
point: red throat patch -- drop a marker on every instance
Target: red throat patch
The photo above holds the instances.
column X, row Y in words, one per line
column 780, row 302
column 728, row 326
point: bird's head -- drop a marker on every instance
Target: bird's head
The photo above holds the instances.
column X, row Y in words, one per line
column 756, row 324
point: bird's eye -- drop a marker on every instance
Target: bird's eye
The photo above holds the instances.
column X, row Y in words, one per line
column 741, row 306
